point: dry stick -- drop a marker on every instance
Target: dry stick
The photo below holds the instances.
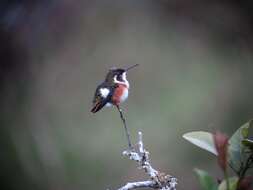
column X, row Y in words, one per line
column 158, row 180
column 125, row 126
column 140, row 184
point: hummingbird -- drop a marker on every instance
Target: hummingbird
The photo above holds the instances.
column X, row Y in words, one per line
column 114, row 89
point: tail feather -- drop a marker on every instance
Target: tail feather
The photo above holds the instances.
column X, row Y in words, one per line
column 98, row 106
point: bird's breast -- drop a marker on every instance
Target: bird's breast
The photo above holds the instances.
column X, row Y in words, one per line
column 120, row 94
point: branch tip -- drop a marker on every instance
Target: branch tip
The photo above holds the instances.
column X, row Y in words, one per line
column 158, row 180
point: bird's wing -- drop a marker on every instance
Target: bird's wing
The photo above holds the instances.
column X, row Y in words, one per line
column 102, row 96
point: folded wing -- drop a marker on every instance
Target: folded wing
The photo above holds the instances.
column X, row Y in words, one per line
column 102, row 96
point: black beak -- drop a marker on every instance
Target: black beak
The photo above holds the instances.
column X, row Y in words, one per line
column 127, row 69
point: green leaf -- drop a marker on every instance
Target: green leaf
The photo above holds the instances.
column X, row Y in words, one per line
column 236, row 148
column 201, row 139
column 248, row 143
column 206, row 181
column 232, row 184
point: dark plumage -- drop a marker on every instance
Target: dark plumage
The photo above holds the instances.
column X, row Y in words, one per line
column 99, row 101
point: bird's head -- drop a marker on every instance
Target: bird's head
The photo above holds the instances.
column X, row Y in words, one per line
column 118, row 74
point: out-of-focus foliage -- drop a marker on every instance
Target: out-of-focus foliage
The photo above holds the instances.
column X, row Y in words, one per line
column 237, row 150
column 240, row 157
column 221, row 145
column 206, row 181
column 232, row 184
column 202, row 139
column 248, row 143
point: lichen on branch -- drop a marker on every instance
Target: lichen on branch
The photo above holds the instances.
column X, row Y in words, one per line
column 158, row 180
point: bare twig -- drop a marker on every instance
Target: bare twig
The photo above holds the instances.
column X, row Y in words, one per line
column 125, row 126
column 140, row 184
column 158, row 180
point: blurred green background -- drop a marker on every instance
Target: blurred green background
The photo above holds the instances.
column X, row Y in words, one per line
column 195, row 73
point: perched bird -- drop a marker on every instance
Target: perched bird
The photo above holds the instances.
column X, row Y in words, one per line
column 113, row 91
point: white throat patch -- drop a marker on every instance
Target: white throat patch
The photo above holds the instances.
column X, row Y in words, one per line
column 125, row 82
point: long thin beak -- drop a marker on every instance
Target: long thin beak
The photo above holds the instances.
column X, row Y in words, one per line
column 131, row 67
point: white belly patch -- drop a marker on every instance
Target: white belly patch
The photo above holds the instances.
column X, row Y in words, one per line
column 124, row 95
column 108, row 104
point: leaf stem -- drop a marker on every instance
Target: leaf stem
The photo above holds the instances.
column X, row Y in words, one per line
column 245, row 167
column 234, row 170
column 226, row 178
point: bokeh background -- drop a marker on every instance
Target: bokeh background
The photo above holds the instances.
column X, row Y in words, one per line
column 195, row 73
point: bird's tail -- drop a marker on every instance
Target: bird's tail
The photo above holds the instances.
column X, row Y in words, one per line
column 98, row 106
